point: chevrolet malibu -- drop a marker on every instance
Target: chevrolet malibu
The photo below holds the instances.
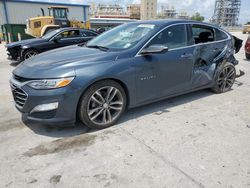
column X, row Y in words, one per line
column 129, row 66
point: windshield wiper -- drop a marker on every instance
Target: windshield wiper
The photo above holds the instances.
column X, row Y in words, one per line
column 98, row 47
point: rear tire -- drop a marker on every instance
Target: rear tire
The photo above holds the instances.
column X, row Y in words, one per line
column 224, row 78
column 102, row 104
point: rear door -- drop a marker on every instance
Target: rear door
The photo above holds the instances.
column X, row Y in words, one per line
column 209, row 44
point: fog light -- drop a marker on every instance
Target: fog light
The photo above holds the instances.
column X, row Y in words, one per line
column 45, row 107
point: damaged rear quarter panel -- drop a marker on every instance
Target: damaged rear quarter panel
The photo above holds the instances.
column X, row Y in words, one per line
column 208, row 57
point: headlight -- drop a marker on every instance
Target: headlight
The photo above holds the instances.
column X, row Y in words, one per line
column 25, row 47
column 50, row 83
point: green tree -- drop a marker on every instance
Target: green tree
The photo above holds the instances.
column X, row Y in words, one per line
column 197, row 17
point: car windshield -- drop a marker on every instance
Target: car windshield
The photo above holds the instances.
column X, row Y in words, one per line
column 122, row 37
column 50, row 34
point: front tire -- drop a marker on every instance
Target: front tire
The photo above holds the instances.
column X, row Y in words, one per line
column 224, row 78
column 29, row 53
column 102, row 104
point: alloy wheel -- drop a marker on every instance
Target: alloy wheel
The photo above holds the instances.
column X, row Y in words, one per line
column 226, row 78
column 30, row 54
column 105, row 105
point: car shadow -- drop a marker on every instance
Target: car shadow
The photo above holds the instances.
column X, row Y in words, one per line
column 164, row 106
column 158, row 108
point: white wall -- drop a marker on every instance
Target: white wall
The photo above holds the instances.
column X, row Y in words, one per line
column 2, row 14
column 19, row 12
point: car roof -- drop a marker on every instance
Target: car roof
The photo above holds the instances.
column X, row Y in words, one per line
column 166, row 22
column 73, row 28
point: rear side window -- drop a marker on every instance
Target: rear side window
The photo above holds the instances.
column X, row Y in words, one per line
column 220, row 35
column 172, row 37
column 202, row 34
column 88, row 34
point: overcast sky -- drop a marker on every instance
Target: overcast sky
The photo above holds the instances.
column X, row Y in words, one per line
column 205, row 7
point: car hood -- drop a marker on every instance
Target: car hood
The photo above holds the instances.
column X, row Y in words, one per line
column 25, row 42
column 62, row 62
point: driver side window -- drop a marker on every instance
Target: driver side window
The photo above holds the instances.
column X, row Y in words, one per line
column 68, row 34
column 172, row 37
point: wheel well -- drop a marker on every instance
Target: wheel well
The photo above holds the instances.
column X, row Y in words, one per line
column 22, row 55
column 123, row 85
column 31, row 49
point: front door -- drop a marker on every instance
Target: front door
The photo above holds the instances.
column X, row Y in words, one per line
column 66, row 38
column 164, row 74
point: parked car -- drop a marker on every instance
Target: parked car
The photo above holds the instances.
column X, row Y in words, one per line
column 55, row 39
column 247, row 48
column 131, row 65
column 246, row 28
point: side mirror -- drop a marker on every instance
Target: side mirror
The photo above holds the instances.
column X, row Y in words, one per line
column 154, row 49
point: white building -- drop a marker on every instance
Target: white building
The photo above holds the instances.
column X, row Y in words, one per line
column 148, row 9
column 18, row 11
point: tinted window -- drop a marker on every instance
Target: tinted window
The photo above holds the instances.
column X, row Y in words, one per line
column 51, row 34
column 89, row 33
column 69, row 34
column 219, row 35
column 60, row 13
column 37, row 24
column 202, row 34
column 172, row 37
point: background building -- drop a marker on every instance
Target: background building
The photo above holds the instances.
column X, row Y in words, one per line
column 148, row 9
column 226, row 12
column 183, row 15
column 109, row 11
column 167, row 12
column 15, row 13
column 134, row 11
column 108, row 23
column 18, row 11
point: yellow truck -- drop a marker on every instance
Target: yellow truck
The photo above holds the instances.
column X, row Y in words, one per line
column 58, row 17
column 246, row 28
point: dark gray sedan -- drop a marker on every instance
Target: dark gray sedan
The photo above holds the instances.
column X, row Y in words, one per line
column 128, row 66
column 25, row 49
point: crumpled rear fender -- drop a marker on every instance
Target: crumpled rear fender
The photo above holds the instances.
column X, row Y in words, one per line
column 205, row 72
column 237, row 44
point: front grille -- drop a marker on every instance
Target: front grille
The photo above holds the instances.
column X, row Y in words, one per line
column 19, row 95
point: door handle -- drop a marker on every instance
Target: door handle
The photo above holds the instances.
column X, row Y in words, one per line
column 186, row 55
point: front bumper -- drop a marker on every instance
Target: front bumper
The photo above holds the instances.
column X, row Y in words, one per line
column 26, row 99
column 13, row 55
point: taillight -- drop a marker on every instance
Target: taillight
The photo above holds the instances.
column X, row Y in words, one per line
column 247, row 46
